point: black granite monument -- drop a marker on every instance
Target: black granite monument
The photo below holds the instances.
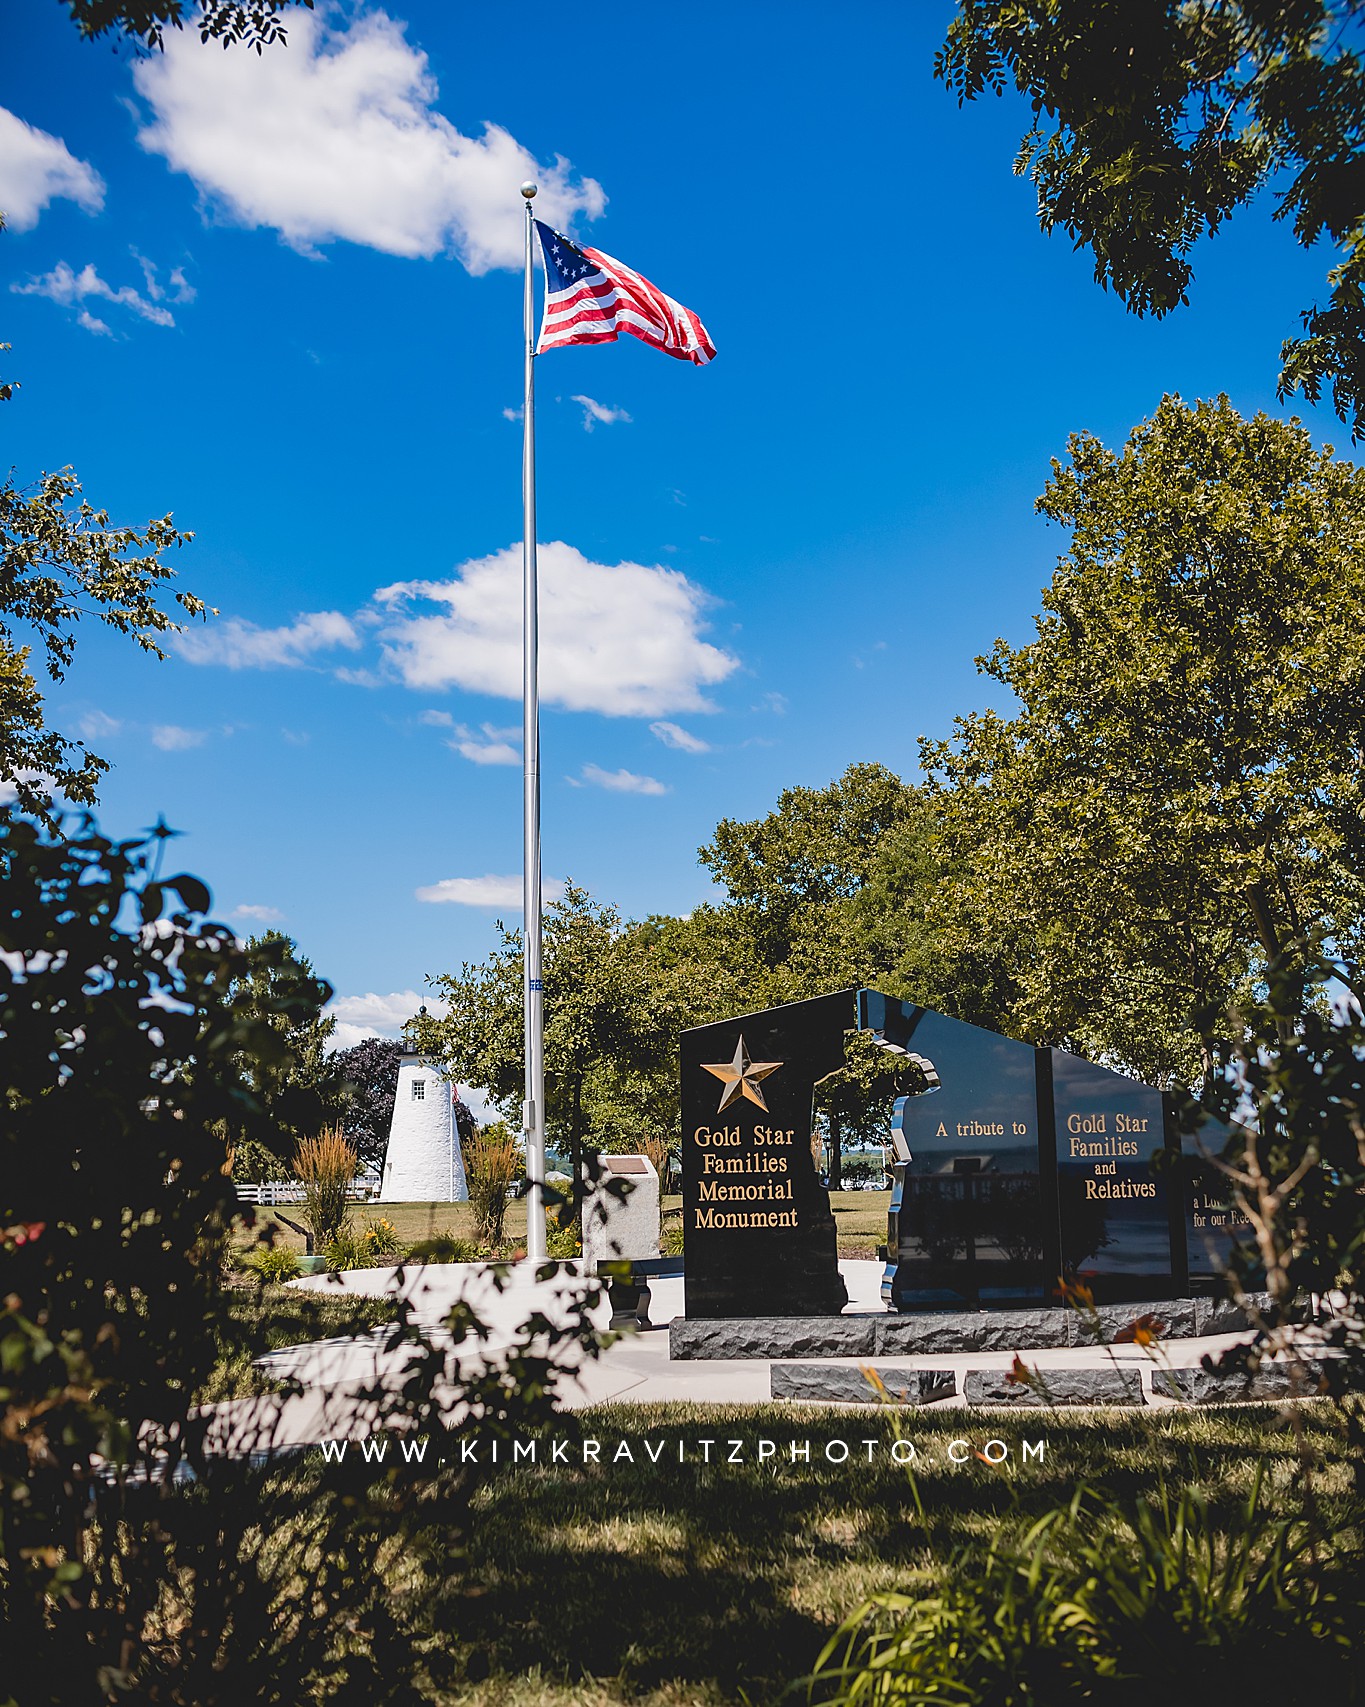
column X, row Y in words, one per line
column 758, row 1230
column 1017, row 1170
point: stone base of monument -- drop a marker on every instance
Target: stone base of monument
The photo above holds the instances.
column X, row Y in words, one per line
column 1102, row 1386
column 843, row 1383
column 886, row 1335
column 880, row 1384
column 1201, row 1387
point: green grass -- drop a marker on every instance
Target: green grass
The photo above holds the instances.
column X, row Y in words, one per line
column 860, row 1217
column 860, row 1220
column 267, row 1318
column 690, row 1585
column 695, row 1584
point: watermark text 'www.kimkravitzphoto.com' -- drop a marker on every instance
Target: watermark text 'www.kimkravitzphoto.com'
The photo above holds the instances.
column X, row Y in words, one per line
column 383, row 1450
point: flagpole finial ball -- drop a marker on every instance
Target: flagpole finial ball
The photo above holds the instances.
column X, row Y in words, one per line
column 528, row 189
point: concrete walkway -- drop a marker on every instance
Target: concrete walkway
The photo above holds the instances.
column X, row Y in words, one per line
column 334, row 1374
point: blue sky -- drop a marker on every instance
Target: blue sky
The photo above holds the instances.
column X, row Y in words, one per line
column 300, row 331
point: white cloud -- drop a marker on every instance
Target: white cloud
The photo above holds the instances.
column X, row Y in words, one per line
column 622, row 781
column 70, row 289
column 485, row 891
column 97, row 726
column 171, row 738
column 346, row 1036
column 260, row 915
column 681, row 740
column 490, row 747
column 479, row 1104
column 514, row 414
column 177, row 286
column 92, row 323
column 338, row 137
column 36, row 168
column 242, row 645
column 622, row 639
column 595, row 412
column 375, row 1015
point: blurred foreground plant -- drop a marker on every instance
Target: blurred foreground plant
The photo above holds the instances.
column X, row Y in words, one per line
column 152, row 1550
column 1106, row 1600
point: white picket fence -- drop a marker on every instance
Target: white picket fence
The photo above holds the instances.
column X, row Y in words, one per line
column 270, row 1192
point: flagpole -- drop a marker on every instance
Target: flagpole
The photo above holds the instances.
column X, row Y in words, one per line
column 533, row 1105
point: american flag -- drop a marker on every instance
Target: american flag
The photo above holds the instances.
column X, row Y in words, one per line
column 591, row 299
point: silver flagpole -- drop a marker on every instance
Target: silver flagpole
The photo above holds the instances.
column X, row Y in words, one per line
column 533, row 1000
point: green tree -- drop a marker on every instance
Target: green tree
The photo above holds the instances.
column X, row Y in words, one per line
column 1153, row 122
column 1181, row 791
column 60, row 559
column 830, row 889
column 297, row 1088
column 610, row 1026
column 790, row 869
column 255, row 23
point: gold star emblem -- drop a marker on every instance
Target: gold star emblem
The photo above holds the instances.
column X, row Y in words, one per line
column 740, row 1077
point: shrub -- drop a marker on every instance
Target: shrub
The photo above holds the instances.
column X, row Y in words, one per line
column 274, row 1264
column 671, row 1236
column 562, row 1243
column 373, row 1244
column 448, row 1247
column 492, row 1162
column 327, row 1166
column 380, row 1239
column 864, row 1173
column 252, row 1162
column 1107, row 1600
column 347, row 1249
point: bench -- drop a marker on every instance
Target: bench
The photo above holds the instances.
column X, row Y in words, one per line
column 626, row 1281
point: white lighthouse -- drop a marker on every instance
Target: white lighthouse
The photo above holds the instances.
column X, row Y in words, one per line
column 423, row 1163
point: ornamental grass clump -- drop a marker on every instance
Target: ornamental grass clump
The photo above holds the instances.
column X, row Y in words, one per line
column 655, row 1149
column 327, row 1165
column 492, row 1163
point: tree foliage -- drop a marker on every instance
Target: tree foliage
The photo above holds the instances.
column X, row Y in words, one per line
column 830, row 889
column 1292, row 1091
column 611, row 1020
column 255, row 24
column 1153, row 122
column 122, row 1036
column 1181, row 791
column 297, row 1086
column 367, row 1076
column 60, row 559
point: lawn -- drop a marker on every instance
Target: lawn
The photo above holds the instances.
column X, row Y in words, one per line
column 694, row 1584
column 714, row 1576
column 860, row 1217
column 261, row 1319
